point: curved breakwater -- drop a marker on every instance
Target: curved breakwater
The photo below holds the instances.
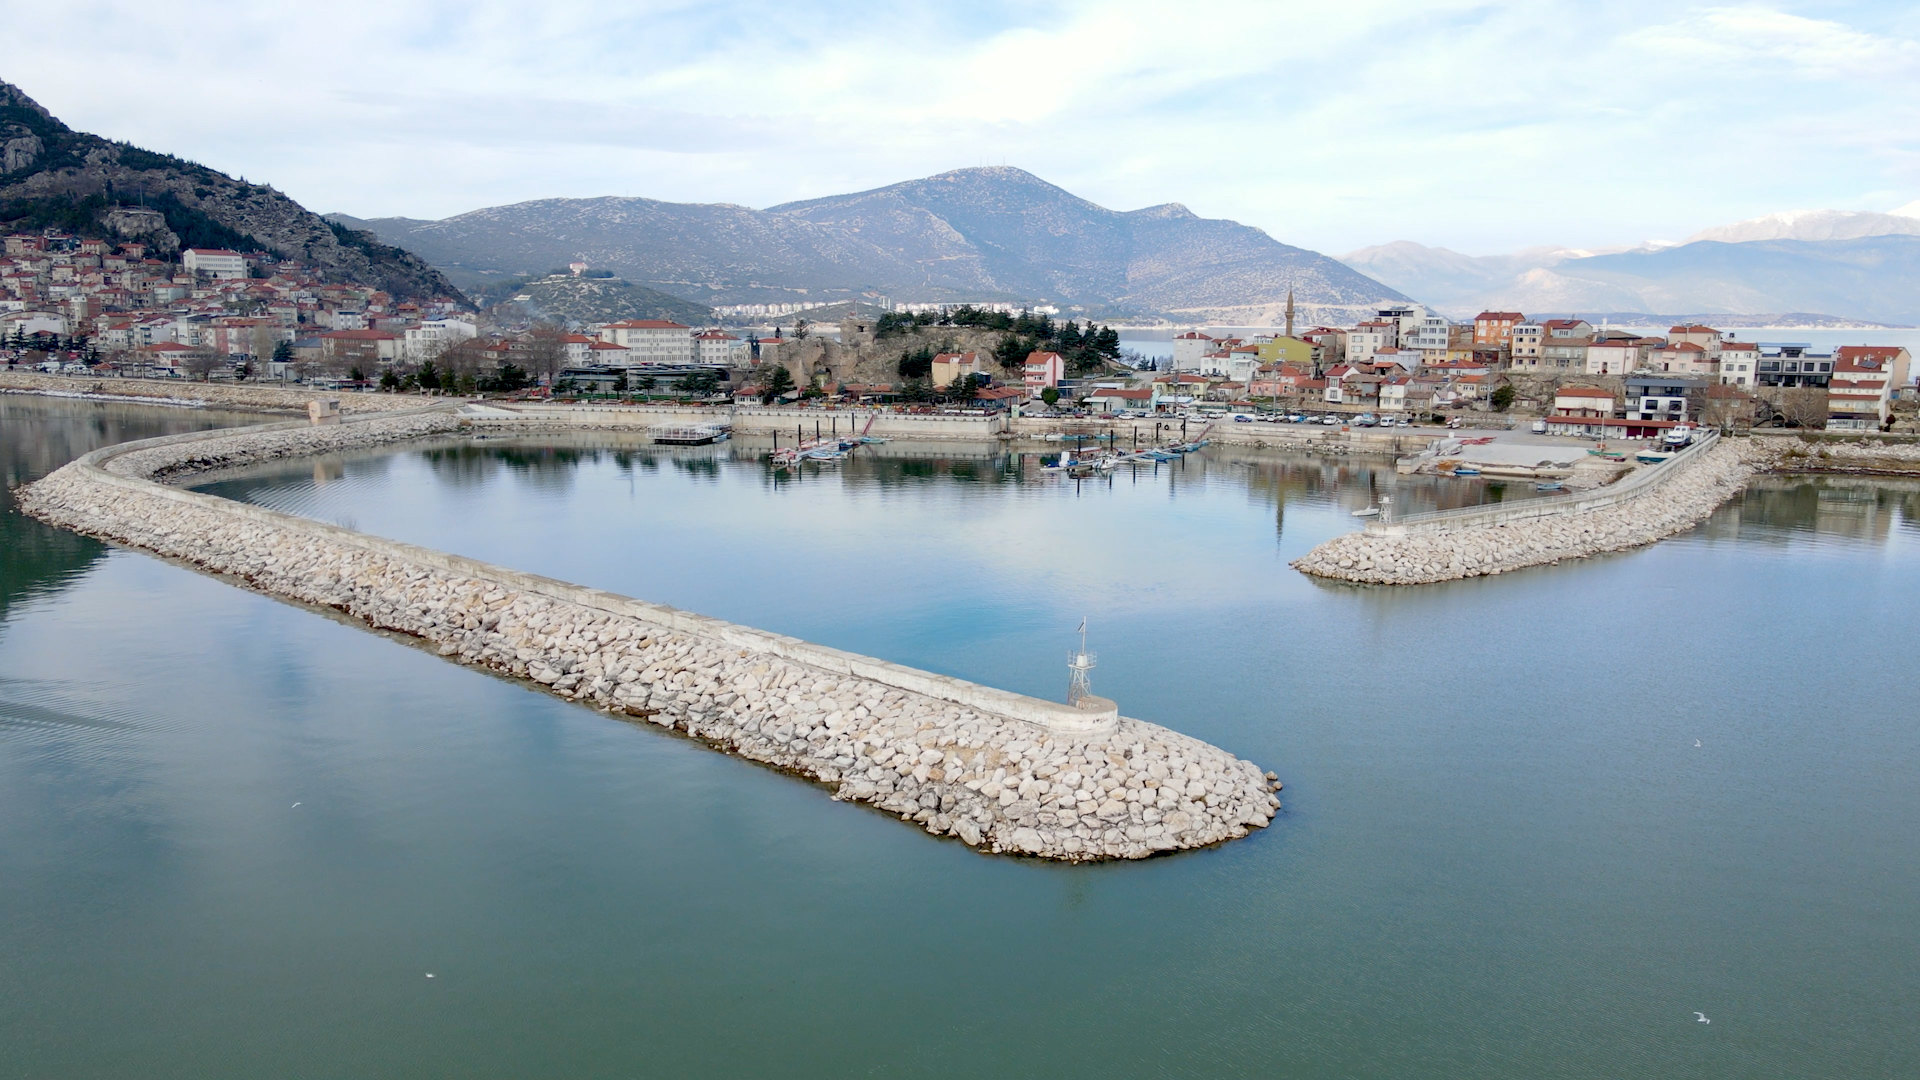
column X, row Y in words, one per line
column 1495, row 540
column 1000, row 772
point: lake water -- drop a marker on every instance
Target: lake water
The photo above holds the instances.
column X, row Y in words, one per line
column 1502, row 854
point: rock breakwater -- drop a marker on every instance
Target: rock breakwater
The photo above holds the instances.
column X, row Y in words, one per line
column 954, row 758
column 1419, row 558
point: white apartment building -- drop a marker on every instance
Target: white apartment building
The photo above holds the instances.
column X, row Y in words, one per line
column 719, row 347
column 1738, row 362
column 214, row 262
column 434, row 336
column 1429, row 336
column 1190, row 350
column 1526, row 341
column 1370, row 337
column 651, row 341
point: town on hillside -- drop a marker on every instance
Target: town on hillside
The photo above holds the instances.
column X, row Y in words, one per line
column 90, row 306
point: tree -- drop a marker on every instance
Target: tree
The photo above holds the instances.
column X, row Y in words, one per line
column 283, row 352
column 545, row 352
column 509, row 378
column 702, row 383
column 645, row 385
column 1502, row 398
column 917, row 364
column 429, row 376
column 779, row 384
column 1051, row 396
column 1804, row 407
column 356, row 374
column 620, row 382
column 1011, row 352
column 799, row 329
column 200, row 365
column 389, row 381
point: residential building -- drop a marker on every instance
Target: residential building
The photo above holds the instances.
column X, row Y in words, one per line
column 1614, row 354
column 1865, row 380
column 1189, row 349
column 1370, row 337
column 1042, row 371
column 1681, row 358
column 716, row 346
column 365, row 349
column 1430, row 335
column 1739, row 363
column 1564, row 353
column 1524, row 344
column 949, row 367
column 1664, row 397
column 1496, row 327
column 1792, row 364
column 1280, row 349
column 434, row 336
column 1704, row 336
column 1583, row 401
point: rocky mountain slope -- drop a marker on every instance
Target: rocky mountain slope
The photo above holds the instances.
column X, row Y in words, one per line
column 971, row 234
column 51, row 175
column 567, row 299
column 1873, row 278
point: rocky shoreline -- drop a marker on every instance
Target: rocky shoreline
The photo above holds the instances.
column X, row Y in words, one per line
column 946, row 755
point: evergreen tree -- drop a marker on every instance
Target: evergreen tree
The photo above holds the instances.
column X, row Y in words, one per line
column 779, row 383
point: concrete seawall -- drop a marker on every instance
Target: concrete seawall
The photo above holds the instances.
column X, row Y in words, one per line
column 1001, row 772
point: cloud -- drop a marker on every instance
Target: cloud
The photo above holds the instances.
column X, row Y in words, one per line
column 1479, row 124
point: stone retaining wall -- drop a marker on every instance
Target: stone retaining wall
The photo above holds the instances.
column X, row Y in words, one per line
column 949, row 755
column 224, row 395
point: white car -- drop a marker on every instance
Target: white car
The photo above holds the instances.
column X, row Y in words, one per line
column 1539, row 427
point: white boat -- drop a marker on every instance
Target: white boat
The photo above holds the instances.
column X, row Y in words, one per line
column 1370, row 511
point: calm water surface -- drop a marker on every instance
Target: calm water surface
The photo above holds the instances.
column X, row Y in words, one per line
column 1502, row 854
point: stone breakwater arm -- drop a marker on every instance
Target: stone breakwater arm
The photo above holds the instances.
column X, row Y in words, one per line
column 1679, row 502
column 998, row 771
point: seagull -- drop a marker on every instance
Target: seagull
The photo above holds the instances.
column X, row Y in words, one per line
column 295, row 806
column 429, row 974
column 1701, row 1015
column 1696, row 742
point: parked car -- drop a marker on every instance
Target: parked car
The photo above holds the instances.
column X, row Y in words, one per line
column 1539, row 427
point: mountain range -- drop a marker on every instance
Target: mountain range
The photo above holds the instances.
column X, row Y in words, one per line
column 1830, row 266
column 970, row 234
column 52, row 175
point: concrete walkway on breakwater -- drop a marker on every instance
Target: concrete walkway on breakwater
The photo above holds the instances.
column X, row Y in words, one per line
column 1494, row 540
column 1001, row 772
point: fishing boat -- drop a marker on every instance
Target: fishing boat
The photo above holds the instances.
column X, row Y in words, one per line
column 1466, row 470
column 1652, row 457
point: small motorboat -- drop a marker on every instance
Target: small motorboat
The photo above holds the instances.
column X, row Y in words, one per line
column 1466, row 470
column 1550, row 485
column 1369, row 511
column 1652, row 457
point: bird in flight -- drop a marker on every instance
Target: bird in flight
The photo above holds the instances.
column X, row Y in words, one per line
column 1703, row 1018
column 1696, row 742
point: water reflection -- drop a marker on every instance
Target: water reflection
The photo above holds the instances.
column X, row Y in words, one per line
column 1785, row 509
column 37, row 436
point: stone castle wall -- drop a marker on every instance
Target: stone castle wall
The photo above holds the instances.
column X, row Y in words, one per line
column 997, row 771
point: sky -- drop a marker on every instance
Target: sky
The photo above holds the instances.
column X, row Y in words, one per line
column 1480, row 126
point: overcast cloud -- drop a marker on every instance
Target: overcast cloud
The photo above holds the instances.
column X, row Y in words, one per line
column 1479, row 126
